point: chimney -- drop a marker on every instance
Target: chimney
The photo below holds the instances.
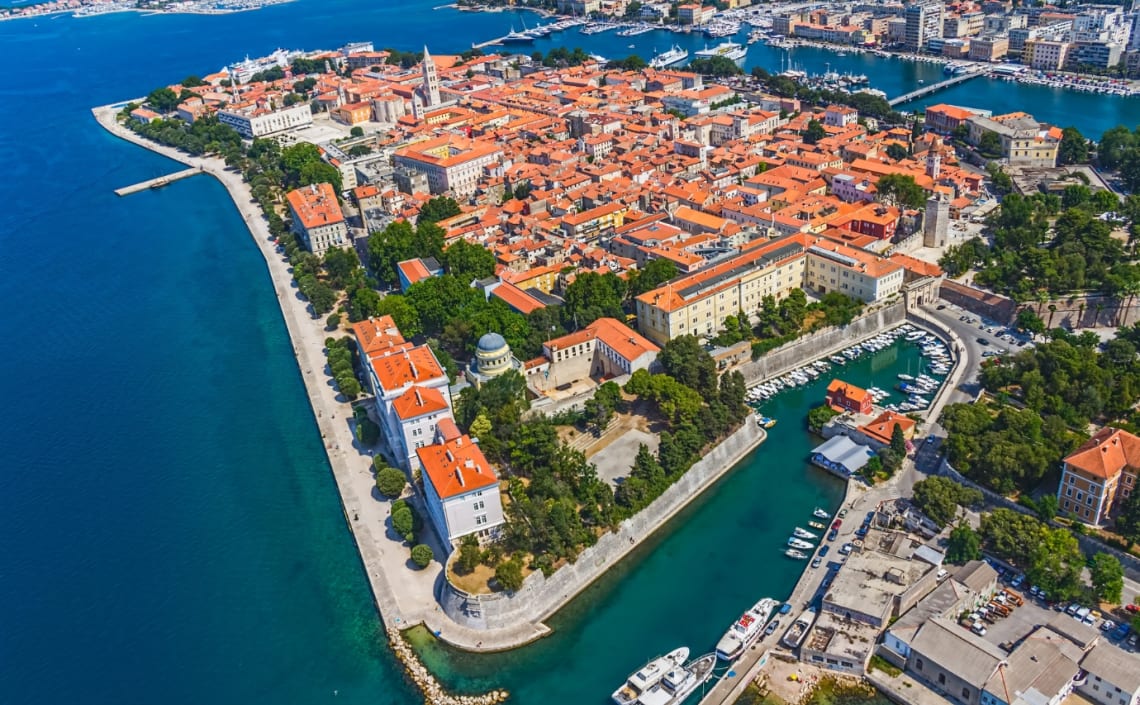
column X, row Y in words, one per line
column 459, row 476
column 419, row 399
column 450, row 457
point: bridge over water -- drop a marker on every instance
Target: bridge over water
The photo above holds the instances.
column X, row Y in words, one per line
column 933, row 88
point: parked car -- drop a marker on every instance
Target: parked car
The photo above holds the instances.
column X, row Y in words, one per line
column 836, row 524
column 1107, row 625
column 1072, row 609
column 1132, row 609
column 1120, row 632
column 845, row 548
column 831, row 536
column 823, row 550
column 1017, row 581
column 772, row 627
column 978, row 629
column 816, row 561
column 843, row 512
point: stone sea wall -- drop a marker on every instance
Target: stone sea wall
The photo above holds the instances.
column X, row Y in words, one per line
column 540, row 596
column 821, row 343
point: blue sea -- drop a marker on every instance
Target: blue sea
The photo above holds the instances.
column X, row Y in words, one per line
column 169, row 528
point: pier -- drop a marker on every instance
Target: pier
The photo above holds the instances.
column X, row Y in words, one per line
column 933, row 88
column 158, row 182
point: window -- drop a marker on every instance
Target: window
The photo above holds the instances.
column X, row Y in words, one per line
column 918, row 664
column 965, row 693
column 941, row 679
column 480, row 519
column 478, row 505
column 1069, row 492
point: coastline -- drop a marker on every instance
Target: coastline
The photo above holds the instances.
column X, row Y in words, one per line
column 383, row 555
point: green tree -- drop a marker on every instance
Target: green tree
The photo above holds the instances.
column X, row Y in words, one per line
column 814, row 132
column 897, row 152
column 1128, row 520
column 1011, row 535
column 439, row 208
column 1030, row 322
column 163, row 99
column 403, row 314
column 989, row 145
column 356, row 131
column 632, row 62
column 192, row 82
column 964, row 545
column 715, row 66
column 422, row 555
column 1107, row 578
column 333, row 321
column 592, row 296
column 898, row 440
column 1056, row 564
column 1074, row 148
column 469, row 555
column 469, row 261
column 390, row 481
column 655, row 273
column 403, row 522
column 939, row 498
column 480, row 426
column 341, row 265
column 685, row 360
column 901, row 190
column 1113, row 145
column 509, row 575
column 819, row 416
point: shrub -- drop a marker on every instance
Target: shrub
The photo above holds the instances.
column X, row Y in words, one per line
column 390, row 482
column 509, row 575
column 469, row 555
column 422, row 555
column 402, row 521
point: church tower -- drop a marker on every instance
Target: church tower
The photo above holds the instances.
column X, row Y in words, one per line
column 430, row 88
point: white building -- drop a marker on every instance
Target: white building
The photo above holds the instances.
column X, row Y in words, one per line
column 412, row 396
column 461, row 488
column 256, row 120
column 317, row 217
column 451, row 163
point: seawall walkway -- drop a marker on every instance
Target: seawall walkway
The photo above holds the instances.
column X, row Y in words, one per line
column 405, row 597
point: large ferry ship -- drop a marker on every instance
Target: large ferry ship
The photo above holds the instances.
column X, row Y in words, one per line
column 649, row 676
column 729, row 50
column 745, row 631
column 799, row 629
column 674, row 56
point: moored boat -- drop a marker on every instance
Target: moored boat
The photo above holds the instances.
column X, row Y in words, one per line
column 799, row 543
column 799, row 629
column 649, row 676
column 817, row 525
column 745, row 631
column 793, row 553
column 821, row 513
column 680, row 682
column 804, row 534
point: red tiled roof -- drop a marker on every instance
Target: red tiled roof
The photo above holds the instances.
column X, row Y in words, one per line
column 456, row 467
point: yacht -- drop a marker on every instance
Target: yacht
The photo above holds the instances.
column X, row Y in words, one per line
column 799, row 543
column 517, row 37
column 745, row 631
column 729, row 50
column 821, row 513
column 799, row 629
column 906, row 378
column 793, row 553
column 649, row 676
column 680, row 682
column 674, row 56
column 804, row 534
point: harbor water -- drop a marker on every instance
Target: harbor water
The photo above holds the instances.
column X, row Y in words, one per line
column 169, row 526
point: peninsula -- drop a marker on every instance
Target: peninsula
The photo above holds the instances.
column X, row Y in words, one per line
column 532, row 298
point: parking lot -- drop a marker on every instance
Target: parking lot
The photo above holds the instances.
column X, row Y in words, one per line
column 1034, row 612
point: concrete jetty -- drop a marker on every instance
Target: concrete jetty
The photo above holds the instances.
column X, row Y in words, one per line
column 158, row 182
column 933, row 88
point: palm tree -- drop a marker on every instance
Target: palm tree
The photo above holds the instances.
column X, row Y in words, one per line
column 1081, row 315
column 1052, row 310
column 1099, row 307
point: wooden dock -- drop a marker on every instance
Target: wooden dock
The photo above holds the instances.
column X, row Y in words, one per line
column 157, row 182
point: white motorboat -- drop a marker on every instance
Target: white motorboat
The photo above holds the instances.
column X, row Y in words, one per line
column 906, row 377
column 799, row 629
column 821, row 513
column 804, row 534
column 680, row 682
column 745, row 631
column 799, row 543
column 649, row 676
column 793, row 553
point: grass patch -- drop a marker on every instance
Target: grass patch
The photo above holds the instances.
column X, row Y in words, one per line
column 878, row 663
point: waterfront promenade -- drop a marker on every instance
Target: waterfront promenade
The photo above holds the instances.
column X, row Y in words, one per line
column 405, row 597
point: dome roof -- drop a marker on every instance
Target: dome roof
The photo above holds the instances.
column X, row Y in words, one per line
column 491, row 342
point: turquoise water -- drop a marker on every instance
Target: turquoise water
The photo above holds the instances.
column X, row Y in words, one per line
column 714, row 560
column 169, row 527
